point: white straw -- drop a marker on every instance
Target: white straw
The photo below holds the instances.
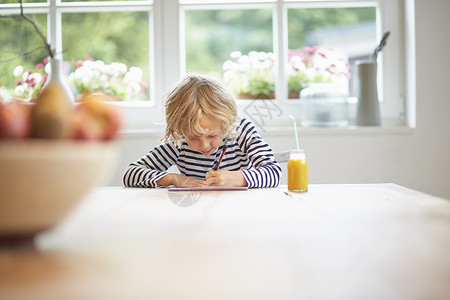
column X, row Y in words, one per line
column 295, row 130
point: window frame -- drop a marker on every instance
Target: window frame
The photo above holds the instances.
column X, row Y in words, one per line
column 167, row 53
column 389, row 15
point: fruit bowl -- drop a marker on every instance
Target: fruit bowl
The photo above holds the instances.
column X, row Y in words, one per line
column 41, row 181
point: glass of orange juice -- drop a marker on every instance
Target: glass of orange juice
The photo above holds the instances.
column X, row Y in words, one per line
column 297, row 171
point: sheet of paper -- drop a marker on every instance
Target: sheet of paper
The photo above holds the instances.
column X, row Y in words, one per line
column 209, row 188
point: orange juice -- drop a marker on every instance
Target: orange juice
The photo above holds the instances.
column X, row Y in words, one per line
column 297, row 171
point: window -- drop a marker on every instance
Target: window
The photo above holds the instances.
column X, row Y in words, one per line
column 221, row 37
column 115, row 35
column 167, row 38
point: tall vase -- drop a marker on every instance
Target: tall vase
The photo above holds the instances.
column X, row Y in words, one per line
column 54, row 106
column 368, row 107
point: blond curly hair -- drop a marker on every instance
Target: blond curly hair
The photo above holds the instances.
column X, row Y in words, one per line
column 194, row 97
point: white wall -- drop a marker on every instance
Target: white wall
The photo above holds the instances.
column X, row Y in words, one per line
column 417, row 158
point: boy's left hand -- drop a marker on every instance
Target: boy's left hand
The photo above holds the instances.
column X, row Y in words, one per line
column 225, row 178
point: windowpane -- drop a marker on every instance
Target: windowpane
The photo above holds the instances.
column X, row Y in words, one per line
column 220, row 1
column 329, row 35
column 97, row 0
column 23, row 1
column 112, row 37
column 19, row 36
column 213, row 35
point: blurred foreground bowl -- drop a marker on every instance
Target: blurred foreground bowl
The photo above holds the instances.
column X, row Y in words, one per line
column 41, row 181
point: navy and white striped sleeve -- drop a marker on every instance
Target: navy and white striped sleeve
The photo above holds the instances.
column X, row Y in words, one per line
column 266, row 171
column 152, row 167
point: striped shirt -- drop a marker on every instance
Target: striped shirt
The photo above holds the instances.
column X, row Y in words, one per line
column 247, row 152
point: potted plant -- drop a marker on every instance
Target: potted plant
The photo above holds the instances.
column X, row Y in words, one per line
column 323, row 80
column 312, row 65
column 250, row 76
column 29, row 82
column 88, row 75
column 115, row 79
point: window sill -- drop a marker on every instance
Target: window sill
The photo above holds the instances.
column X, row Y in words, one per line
column 146, row 119
column 288, row 131
column 349, row 130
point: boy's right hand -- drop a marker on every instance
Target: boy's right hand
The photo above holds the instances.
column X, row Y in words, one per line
column 179, row 180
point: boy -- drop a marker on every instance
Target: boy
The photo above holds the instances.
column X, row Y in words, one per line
column 201, row 117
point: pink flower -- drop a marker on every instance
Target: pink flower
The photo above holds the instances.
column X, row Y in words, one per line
column 46, row 60
column 322, row 54
column 44, row 79
column 292, row 53
column 308, row 49
column 29, row 79
column 88, row 57
column 78, row 64
column 19, row 82
column 39, row 66
column 331, row 68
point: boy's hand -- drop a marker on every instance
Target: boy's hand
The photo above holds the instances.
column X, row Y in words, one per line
column 225, row 178
column 179, row 180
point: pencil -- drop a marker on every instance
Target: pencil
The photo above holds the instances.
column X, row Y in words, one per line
column 216, row 167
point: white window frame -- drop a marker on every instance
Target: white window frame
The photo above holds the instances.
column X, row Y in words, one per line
column 172, row 62
column 167, row 50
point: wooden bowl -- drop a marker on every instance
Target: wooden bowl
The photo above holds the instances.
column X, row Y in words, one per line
column 41, row 181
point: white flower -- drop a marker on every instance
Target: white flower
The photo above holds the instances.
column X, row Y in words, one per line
column 253, row 54
column 17, row 71
column 98, row 65
column 296, row 60
column 244, row 60
column 135, row 74
column 122, row 68
column 267, row 64
column 19, row 90
column 235, row 54
column 135, row 86
column 36, row 76
column 230, row 66
column 255, row 65
column 229, row 76
column 25, row 75
column 310, row 73
column 118, row 68
column 88, row 64
column 262, row 56
column 4, row 95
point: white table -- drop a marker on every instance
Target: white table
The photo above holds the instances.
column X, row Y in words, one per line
column 373, row 241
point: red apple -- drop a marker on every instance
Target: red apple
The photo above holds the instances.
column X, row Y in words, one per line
column 15, row 119
column 95, row 119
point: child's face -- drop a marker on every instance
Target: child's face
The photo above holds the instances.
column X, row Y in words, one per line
column 209, row 142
